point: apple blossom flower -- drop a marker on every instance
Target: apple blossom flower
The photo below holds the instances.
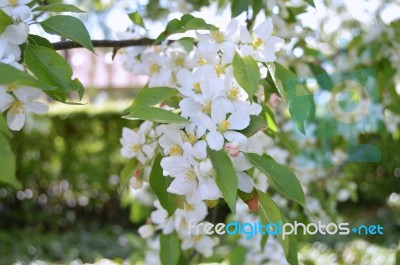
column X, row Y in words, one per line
column 261, row 44
column 18, row 101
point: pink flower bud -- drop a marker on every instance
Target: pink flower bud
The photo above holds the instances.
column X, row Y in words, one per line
column 232, row 149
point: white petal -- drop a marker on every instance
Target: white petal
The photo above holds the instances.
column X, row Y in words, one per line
column 36, row 107
column 22, row 12
column 16, row 118
column 218, row 113
column 17, row 34
column 200, row 150
column 245, row 36
column 207, row 121
column 275, row 43
column 27, row 93
column 6, row 101
column 185, row 78
column 208, row 189
column 181, row 186
column 241, row 163
column 189, row 107
column 264, row 30
column 215, row 140
column 245, row 183
column 231, row 28
column 235, row 137
column 239, row 121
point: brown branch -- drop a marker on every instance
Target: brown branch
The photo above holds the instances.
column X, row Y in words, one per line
column 116, row 44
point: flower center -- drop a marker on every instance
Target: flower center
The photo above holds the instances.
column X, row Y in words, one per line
column 190, row 174
column 18, row 108
column 12, row 87
column 154, row 68
column 257, row 43
column 13, row 2
column 197, row 238
column 187, row 137
column 202, row 61
column 219, row 70
column 175, row 150
column 135, row 148
column 224, row 125
column 207, row 107
column 218, row 36
column 197, row 87
column 233, row 93
column 180, row 61
column 188, row 207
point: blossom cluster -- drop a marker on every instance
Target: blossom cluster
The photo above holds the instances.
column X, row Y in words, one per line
column 217, row 109
column 18, row 100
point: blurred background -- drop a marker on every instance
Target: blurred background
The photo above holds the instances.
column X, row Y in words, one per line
column 71, row 210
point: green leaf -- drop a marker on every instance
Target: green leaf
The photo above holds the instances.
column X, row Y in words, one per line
column 270, row 118
column 311, row 2
column 148, row 97
column 291, row 256
column 285, row 182
column 51, row 68
column 169, row 249
column 238, row 256
column 239, row 6
column 324, row 80
column 126, row 173
column 187, row 22
column 256, row 124
column 39, row 41
column 68, row 27
column 160, row 184
column 5, row 21
column 225, row 177
column 59, row 8
column 137, row 19
column 246, row 73
column 7, row 164
column 299, row 100
column 4, row 127
column 269, row 213
column 155, row 114
column 10, row 75
column 256, row 5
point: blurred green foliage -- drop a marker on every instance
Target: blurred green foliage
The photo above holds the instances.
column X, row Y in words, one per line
column 69, row 166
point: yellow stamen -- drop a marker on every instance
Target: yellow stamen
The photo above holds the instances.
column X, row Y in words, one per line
column 187, row 137
column 197, row 87
column 218, row 36
column 180, row 61
column 154, row 68
column 135, row 148
column 188, row 207
column 175, row 150
column 257, row 43
column 12, row 87
column 202, row 61
column 190, row 174
column 207, row 108
column 233, row 93
column 17, row 108
column 224, row 125
column 197, row 238
column 13, row 2
column 219, row 70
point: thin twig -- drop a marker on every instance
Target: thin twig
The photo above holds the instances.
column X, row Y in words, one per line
column 116, row 44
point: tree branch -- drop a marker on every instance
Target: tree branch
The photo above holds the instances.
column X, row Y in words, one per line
column 116, row 44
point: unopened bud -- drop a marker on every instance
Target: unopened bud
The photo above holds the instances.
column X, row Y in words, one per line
column 206, row 167
column 232, row 149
